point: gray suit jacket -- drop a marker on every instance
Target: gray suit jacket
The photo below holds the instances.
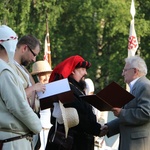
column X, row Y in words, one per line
column 133, row 123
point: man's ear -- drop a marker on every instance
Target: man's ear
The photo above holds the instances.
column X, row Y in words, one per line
column 73, row 72
column 24, row 48
column 136, row 70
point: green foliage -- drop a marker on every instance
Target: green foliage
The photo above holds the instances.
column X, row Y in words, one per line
column 95, row 29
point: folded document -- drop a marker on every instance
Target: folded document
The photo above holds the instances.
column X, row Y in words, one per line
column 55, row 91
column 111, row 96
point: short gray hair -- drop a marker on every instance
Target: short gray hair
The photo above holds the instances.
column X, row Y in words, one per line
column 138, row 63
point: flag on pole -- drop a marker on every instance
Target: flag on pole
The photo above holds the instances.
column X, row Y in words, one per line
column 47, row 44
column 132, row 41
column 47, row 50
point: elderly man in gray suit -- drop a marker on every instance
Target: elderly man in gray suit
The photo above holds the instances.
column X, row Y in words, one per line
column 133, row 120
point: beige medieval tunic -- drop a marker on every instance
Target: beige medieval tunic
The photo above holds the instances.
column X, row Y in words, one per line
column 33, row 100
column 16, row 117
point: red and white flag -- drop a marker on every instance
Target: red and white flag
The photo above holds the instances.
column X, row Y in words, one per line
column 132, row 41
column 47, row 52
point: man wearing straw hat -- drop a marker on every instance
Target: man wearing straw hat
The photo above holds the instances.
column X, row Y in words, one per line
column 17, row 119
column 74, row 68
column 42, row 70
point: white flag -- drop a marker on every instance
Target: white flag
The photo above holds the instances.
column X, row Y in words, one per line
column 132, row 41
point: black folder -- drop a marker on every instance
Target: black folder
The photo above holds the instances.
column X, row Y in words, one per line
column 47, row 102
column 111, row 96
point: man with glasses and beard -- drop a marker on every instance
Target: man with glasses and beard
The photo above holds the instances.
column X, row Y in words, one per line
column 28, row 47
column 75, row 69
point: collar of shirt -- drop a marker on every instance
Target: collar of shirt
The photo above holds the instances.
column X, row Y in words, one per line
column 131, row 84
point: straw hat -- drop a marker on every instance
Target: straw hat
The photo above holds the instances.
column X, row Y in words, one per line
column 40, row 67
column 70, row 117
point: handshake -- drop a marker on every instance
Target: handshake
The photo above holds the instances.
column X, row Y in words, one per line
column 104, row 130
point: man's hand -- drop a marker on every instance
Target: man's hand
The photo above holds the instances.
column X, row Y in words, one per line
column 116, row 111
column 39, row 87
column 104, row 130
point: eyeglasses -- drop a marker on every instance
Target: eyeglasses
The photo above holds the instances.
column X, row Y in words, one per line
column 124, row 70
column 32, row 51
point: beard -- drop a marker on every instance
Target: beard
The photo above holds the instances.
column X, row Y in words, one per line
column 24, row 63
column 82, row 84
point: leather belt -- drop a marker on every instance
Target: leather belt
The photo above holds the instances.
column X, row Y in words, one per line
column 27, row 136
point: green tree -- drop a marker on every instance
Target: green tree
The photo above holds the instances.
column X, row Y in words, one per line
column 95, row 29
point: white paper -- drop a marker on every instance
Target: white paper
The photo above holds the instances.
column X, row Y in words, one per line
column 54, row 88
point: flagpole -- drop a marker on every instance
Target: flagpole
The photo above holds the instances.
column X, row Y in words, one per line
column 47, row 50
column 132, row 41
